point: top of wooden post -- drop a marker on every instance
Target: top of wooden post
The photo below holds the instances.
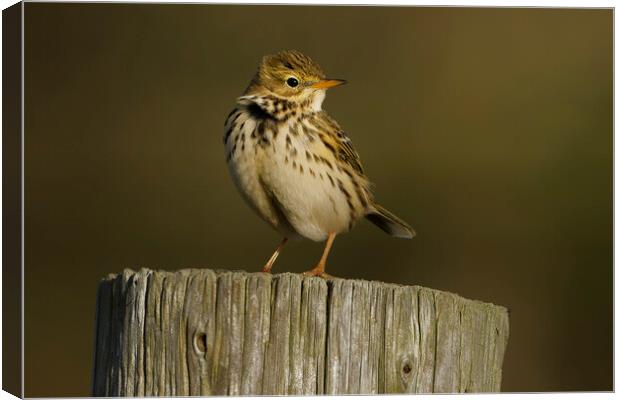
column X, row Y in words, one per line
column 186, row 272
column 218, row 332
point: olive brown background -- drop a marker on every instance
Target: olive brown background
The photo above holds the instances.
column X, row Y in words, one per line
column 489, row 130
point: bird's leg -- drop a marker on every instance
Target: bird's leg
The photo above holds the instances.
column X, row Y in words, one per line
column 274, row 256
column 319, row 270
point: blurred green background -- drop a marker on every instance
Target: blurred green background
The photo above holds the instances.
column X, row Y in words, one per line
column 489, row 130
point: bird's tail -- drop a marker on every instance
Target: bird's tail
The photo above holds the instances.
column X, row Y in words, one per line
column 390, row 223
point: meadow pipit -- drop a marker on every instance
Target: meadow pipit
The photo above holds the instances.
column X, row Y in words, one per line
column 293, row 164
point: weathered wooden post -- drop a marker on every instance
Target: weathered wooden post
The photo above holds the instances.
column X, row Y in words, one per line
column 204, row 332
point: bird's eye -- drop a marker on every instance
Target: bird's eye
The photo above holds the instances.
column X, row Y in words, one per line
column 292, row 82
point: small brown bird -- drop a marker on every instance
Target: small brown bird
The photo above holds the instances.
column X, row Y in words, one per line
column 293, row 163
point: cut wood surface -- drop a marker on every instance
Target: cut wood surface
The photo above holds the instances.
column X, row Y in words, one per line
column 206, row 332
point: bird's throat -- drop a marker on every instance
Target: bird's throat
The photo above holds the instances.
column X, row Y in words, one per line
column 317, row 100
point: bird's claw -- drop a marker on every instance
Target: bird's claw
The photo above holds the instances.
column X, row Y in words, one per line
column 318, row 273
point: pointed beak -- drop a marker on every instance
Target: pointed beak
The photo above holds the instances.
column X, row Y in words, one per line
column 328, row 83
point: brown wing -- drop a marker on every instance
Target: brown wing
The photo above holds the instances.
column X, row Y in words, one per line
column 337, row 139
column 348, row 154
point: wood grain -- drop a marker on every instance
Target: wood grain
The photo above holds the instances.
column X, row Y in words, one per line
column 205, row 332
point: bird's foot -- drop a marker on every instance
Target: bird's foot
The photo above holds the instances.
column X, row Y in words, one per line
column 318, row 271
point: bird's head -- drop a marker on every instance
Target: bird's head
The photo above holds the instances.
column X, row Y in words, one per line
column 294, row 76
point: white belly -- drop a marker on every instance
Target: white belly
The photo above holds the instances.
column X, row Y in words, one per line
column 312, row 204
column 293, row 193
